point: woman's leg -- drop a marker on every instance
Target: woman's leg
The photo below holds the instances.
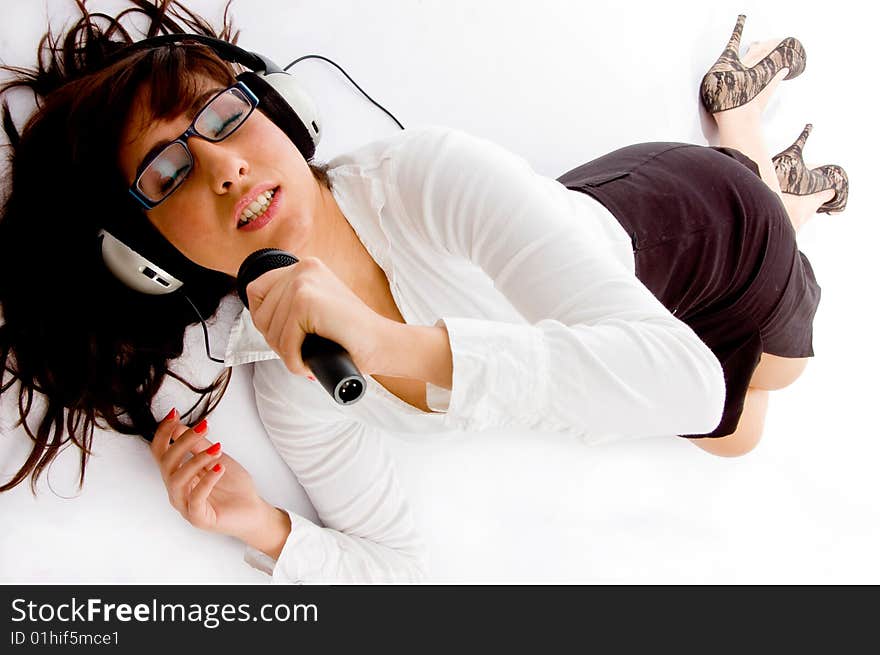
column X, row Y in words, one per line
column 776, row 372
column 741, row 129
column 748, row 430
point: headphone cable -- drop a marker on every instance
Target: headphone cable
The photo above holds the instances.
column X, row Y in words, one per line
column 296, row 61
column 204, row 330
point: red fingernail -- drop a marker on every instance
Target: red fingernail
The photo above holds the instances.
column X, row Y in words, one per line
column 202, row 426
column 311, row 378
column 213, row 450
column 216, row 468
column 172, row 414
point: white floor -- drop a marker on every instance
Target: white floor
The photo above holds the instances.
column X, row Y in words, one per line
column 559, row 82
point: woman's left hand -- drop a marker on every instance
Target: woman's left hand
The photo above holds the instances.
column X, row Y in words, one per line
column 223, row 500
column 307, row 297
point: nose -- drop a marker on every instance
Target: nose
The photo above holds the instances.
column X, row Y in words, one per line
column 222, row 166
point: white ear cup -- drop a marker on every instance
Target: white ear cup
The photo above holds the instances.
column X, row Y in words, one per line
column 134, row 270
column 298, row 99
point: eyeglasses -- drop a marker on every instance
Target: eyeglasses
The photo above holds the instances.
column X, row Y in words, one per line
column 161, row 175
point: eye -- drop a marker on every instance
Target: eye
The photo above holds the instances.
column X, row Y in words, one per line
column 222, row 115
column 214, row 125
column 169, row 181
column 166, row 172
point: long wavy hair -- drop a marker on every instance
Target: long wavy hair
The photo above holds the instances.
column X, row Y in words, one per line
column 94, row 350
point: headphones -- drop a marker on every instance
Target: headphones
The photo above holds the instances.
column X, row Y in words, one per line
column 280, row 97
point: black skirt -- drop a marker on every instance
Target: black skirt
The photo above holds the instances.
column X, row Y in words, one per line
column 715, row 245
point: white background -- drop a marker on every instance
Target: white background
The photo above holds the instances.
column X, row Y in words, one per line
column 558, row 82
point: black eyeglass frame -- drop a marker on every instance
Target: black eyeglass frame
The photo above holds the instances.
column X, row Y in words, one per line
column 190, row 131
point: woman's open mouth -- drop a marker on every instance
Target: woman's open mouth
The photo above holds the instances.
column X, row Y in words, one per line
column 260, row 211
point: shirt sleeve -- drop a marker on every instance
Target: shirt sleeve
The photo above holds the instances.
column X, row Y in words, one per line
column 369, row 534
column 598, row 353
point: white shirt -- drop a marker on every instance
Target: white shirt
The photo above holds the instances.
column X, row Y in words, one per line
column 548, row 326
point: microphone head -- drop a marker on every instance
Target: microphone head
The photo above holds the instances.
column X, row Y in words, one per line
column 257, row 263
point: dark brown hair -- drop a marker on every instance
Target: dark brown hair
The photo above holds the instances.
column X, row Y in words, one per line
column 95, row 350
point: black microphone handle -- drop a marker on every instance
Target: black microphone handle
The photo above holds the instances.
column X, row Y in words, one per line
column 330, row 362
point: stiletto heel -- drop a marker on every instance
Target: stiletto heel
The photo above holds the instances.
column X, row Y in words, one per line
column 795, row 178
column 730, row 84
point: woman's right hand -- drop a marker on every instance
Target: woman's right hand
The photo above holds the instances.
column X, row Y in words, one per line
column 224, row 500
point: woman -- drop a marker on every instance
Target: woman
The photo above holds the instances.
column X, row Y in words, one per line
column 473, row 292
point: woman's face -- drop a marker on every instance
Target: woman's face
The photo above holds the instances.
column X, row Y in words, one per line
column 201, row 218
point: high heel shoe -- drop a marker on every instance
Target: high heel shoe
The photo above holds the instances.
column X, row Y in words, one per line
column 795, row 178
column 730, row 84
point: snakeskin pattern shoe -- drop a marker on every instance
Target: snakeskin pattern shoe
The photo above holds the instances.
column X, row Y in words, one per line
column 730, row 84
column 795, row 178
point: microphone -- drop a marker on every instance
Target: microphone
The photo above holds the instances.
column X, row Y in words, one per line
column 330, row 362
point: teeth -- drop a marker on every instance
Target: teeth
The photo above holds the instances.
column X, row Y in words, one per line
column 257, row 207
